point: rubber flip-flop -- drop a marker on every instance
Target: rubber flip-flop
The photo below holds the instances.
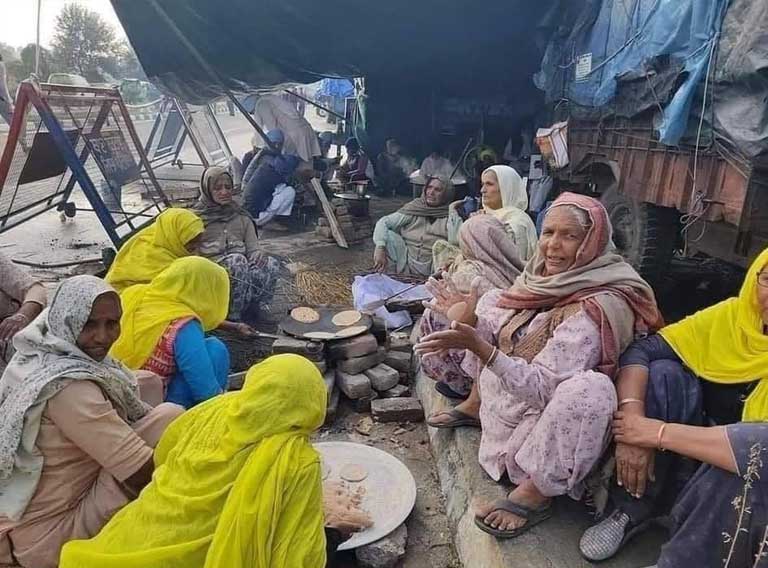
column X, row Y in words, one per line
column 532, row 517
column 448, row 392
column 458, row 418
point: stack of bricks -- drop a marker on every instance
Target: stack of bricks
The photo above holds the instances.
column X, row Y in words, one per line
column 355, row 229
column 376, row 366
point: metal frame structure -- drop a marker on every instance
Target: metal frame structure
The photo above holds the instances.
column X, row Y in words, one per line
column 186, row 128
column 109, row 103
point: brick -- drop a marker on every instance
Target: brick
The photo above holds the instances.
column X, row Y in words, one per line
column 353, row 347
column 400, row 341
column 353, row 386
column 397, row 391
column 329, row 378
column 384, row 553
column 364, row 404
column 359, row 364
column 312, row 350
column 406, row 409
column 399, row 360
column 324, row 232
column 333, row 406
column 382, row 377
column 379, row 331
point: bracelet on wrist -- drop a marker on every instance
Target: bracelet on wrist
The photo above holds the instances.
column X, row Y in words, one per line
column 492, row 357
column 659, row 440
column 624, row 401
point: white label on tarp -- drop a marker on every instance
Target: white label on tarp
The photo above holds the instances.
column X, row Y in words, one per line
column 583, row 66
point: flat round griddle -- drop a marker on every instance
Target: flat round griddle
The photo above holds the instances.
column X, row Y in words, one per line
column 324, row 325
column 390, row 490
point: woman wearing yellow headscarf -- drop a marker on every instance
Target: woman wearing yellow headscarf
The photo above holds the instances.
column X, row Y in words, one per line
column 164, row 325
column 709, row 369
column 173, row 235
column 237, row 484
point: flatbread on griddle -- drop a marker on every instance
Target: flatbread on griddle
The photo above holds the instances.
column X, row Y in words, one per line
column 319, row 335
column 348, row 317
column 351, row 331
column 305, row 315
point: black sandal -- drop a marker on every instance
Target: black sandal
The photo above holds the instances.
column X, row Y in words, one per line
column 532, row 517
column 458, row 418
column 448, row 392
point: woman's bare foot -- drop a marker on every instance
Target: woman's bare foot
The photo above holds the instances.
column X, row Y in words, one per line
column 526, row 495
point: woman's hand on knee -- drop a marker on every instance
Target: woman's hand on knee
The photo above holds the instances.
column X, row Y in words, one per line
column 380, row 260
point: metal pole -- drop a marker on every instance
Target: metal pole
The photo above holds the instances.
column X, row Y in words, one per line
column 37, row 43
column 212, row 72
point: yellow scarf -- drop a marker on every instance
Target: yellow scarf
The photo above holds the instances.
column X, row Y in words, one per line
column 237, row 484
column 726, row 344
column 191, row 287
column 151, row 250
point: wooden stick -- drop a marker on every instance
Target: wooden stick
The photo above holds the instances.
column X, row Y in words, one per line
column 329, row 214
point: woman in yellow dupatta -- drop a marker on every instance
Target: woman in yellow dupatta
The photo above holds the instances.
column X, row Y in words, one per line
column 710, row 368
column 152, row 250
column 164, row 325
column 237, row 484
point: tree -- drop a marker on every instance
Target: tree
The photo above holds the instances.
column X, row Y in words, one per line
column 21, row 68
column 84, row 43
column 8, row 52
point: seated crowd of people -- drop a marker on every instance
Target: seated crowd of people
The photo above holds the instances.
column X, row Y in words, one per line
column 120, row 445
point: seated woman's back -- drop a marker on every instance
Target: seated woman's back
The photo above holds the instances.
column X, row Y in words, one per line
column 153, row 249
column 242, row 460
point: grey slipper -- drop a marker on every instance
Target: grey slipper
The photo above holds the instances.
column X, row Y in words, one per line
column 606, row 538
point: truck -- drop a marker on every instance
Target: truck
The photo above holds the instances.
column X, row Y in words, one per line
column 667, row 112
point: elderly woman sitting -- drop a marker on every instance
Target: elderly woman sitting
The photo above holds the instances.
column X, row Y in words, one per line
column 505, row 198
column 237, row 485
column 230, row 240
column 405, row 238
column 542, row 355
column 697, row 389
column 490, row 259
column 76, row 440
column 22, row 298
column 164, row 325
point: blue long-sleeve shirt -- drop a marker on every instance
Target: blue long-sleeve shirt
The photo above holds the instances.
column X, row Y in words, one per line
column 196, row 378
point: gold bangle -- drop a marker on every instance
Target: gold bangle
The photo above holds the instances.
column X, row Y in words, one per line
column 492, row 356
column 624, row 401
column 658, row 438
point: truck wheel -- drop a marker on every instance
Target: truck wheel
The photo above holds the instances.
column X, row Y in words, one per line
column 644, row 234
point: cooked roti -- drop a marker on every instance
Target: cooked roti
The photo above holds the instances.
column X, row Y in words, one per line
column 349, row 317
column 353, row 472
column 319, row 335
column 351, row 331
column 305, row 315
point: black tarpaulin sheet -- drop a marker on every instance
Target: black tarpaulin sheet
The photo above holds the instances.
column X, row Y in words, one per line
column 459, row 46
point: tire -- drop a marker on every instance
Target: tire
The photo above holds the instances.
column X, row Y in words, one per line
column 644, row 234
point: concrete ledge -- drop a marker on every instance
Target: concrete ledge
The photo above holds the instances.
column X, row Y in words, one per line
column 553, row 544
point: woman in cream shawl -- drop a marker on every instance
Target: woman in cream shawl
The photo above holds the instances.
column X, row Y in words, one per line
column 505, row 198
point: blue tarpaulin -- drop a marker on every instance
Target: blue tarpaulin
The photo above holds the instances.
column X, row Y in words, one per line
column 623, row 37
column 341, row 88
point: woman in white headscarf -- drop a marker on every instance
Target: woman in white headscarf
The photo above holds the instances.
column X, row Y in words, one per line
column 505, row 197
column 76, row 440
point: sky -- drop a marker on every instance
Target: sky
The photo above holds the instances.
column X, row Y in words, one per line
column 19, row 19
